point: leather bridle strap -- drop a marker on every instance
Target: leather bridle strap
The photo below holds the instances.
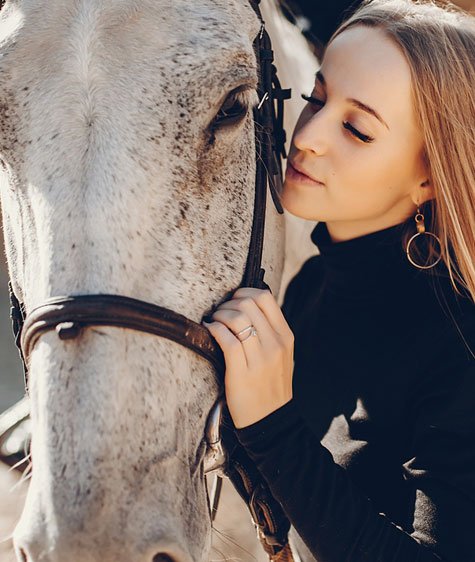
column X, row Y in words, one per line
column 68, row 315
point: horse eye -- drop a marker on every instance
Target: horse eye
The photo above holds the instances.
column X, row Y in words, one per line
column 233, row 110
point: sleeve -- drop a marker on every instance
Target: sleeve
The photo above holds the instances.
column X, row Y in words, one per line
column 338, row 522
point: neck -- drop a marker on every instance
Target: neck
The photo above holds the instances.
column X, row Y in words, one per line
column 369, row 264
column 341, row 231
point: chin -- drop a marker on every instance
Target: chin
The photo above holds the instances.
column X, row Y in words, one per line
column 296, row 207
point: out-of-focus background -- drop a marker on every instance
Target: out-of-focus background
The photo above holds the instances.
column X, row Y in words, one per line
column 318, row 19
column 11, row 373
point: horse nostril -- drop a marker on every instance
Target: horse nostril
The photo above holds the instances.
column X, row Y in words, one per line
column 162, row 558
column 22, row 557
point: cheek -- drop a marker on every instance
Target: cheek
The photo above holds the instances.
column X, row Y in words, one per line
column 376, row 177
column 374, row 164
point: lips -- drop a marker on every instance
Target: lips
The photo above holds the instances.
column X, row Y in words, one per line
column 302, row 171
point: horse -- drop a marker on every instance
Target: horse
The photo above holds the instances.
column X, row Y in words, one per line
column 122, row 173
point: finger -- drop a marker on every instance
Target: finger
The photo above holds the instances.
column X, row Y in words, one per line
column 241, row 312
column 267, row 303
column 236, row 321
column 233, row 351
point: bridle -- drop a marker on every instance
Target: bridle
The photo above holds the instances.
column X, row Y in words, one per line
column 68, row 315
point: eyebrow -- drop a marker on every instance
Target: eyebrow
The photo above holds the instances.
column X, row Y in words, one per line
column 356, row 103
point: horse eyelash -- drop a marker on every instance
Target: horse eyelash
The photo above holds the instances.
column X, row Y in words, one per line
column 348, row 126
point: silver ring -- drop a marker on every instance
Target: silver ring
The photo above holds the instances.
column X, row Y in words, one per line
column 253, row 332
column 245, row 330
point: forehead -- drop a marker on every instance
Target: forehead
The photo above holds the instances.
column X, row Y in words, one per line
column 204, row 13
column 204, row 34
column 364, row 63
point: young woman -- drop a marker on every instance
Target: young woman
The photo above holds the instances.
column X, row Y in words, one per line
column 357, row 399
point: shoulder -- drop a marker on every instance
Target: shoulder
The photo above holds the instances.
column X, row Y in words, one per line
column 442, row 336
column 441, row 323
column 455, row 340
column 444, row 392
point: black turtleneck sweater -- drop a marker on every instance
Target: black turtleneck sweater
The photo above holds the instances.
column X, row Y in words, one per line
column 373, row 459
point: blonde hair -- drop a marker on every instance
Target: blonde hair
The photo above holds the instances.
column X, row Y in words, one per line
column 438, row 41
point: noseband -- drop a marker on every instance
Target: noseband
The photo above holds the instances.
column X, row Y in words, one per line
column 68, row 315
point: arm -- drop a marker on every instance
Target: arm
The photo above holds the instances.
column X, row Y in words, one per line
column 337, row 520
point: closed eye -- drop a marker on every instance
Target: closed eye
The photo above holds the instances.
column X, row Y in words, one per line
column 365, row 138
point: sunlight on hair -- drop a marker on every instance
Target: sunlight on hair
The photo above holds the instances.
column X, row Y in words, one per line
column 438, row 41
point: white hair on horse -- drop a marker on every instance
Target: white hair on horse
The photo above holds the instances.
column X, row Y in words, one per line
column 114, row 181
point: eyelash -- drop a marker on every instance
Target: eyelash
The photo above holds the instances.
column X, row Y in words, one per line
column 348, row 126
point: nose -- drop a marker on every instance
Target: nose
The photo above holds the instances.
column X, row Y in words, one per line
column 312, row 134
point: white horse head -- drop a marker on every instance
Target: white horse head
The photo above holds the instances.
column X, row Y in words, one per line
column 121, row 174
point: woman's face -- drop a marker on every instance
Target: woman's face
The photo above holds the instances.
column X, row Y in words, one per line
column 369, row 160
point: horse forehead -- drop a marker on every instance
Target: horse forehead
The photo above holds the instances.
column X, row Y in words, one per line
column 164, row 24
column 205, row 37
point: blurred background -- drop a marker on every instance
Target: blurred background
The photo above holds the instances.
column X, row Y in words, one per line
column 11, row 372
column 317, row 19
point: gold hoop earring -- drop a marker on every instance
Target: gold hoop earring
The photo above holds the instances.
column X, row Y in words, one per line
column 421, row 229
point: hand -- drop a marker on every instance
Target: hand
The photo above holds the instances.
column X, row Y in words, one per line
column 258, row 378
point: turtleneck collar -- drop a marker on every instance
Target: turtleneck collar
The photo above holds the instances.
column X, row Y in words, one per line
column 367, row 265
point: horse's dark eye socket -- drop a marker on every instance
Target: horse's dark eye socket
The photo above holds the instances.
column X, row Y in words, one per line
column 232, row 111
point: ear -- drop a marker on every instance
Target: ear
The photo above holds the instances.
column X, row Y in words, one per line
column 423, row 192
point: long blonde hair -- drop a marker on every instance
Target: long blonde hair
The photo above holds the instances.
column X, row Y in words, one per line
column 438, row 41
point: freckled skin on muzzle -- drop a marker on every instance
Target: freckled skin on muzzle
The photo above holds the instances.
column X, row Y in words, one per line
column 100, row 475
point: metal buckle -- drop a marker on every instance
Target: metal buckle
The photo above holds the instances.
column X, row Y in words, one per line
column 216, row 457
column 257, row 507
column 261, row 31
